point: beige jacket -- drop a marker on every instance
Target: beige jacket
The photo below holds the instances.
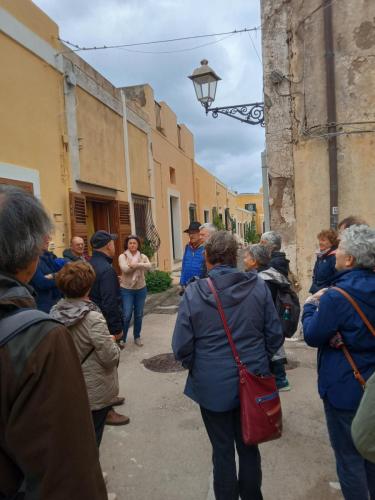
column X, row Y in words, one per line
column 89, row 330
column 126, row 280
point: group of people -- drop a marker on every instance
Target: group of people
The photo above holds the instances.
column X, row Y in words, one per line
column 58, row 371
column 343, row 332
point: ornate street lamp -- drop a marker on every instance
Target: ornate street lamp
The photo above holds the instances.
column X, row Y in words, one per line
column 205, row 81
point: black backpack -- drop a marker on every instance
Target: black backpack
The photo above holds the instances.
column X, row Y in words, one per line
column 289, row 309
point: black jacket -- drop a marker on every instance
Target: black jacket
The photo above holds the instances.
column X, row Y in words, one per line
column 280, row 263
column 106, row 291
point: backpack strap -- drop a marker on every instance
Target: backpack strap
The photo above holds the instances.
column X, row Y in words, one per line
column 15, row 323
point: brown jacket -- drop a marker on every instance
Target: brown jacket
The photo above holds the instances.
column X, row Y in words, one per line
column 46, row 431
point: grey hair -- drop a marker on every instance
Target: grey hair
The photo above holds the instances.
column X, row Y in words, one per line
column 211, row 228
column 259, row 253
column 222, row 248
column 359, row 242
column 24, row 224
column 272, row 239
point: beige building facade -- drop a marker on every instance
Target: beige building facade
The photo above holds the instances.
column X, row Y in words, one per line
column 319, row 84
column 99, row 157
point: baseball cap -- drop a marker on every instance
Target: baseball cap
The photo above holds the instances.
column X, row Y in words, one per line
column 101, row 238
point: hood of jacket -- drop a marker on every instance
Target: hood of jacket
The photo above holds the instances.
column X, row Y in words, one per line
column 72, row 311
column 232, row 285
column 14, row 295
column 359, row 283
column 280, row 262
column 273, row 276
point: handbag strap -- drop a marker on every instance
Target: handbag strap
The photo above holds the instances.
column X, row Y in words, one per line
column 225, row 323
column 356, row 307
column 356, row 372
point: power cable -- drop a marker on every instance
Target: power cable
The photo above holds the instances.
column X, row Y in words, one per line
column 78, row 48
column 254, row 47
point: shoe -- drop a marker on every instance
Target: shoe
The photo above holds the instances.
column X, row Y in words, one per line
column 121, row 344
column 138, row 342
column 285, row 388
column 118, row 401
column 114, row 418
column 112, row 496
column 105, row 477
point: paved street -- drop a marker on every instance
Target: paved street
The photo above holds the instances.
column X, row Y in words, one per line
column 164, row 454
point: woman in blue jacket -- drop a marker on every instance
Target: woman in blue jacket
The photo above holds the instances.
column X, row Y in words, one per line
column 324, row 269
column 326, row 313
column 200, row 342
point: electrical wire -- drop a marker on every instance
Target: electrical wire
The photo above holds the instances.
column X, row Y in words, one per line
column 254, row 47
column 78, row 48
column 176, row 50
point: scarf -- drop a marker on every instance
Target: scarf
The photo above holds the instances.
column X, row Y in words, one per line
column 134, row 259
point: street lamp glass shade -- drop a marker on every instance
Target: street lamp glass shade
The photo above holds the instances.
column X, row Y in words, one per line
column 205, row 81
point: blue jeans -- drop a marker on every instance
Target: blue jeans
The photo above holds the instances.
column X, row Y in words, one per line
column 224, row 432
column 356, row 475
column 133, row 300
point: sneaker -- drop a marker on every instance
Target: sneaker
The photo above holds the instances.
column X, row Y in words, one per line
column 112, row 496
column 121, row 344
column 105, row 477
column 138, row 342
column 285, row 388
column 118, row 401
column 335, row 485
column 114, row 418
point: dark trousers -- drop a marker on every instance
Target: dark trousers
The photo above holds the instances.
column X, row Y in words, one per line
column 98, row 418
column 133, row 300
column 356, row 475
column 224, row 431
column 278, row 369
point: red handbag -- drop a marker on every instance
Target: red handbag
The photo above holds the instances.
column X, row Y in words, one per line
column 260, row 406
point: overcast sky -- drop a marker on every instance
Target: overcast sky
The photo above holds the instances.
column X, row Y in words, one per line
column 228, row 148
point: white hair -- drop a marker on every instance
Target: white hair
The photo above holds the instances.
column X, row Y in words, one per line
column 272, row 239
column 359, row 242
column 210, row 227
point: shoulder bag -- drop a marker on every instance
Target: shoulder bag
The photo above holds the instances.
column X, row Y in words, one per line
column 260, row 407
column 338, row 343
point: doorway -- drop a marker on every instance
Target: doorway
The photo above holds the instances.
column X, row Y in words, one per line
column 175, row 215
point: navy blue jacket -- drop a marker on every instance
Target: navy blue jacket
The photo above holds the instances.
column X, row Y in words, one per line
column 47, row 293
column 106, row 291
column 335, row 377
column 280, row 263
column 192, row 264
column 200, row 342
column 324, row 270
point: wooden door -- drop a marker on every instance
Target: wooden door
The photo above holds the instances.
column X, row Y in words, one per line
column 119, row 212
column 78, row 217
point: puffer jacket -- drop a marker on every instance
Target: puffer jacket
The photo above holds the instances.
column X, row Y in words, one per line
column 200, row 342
column 89, row 331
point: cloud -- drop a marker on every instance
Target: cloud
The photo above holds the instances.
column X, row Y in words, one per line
column 226, row 147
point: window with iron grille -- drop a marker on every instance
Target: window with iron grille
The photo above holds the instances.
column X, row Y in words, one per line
column 144, row 224
column 251, row 207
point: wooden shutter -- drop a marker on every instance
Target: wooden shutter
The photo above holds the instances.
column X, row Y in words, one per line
column 120, row 224
column 78, row 217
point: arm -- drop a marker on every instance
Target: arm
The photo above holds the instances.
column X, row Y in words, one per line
column 110, row 305
column 183, row 336
column 40, row 282
column 106, row 349
column 273, row 334
column 58, row 423
column 321, row 323
column 145, row 264
column 123, row 264
column 182, row 278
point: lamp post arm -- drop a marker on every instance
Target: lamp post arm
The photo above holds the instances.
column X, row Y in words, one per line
column 253, row 113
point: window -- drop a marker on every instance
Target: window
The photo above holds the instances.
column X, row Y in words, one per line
column 179, row 137
column 172, row 175
column 158, row 117
column 192, row 213
column 206, row 215
column 251, row 207
column 27, row 186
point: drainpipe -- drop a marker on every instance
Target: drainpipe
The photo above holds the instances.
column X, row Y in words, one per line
column 331, row 111
column 266, row 193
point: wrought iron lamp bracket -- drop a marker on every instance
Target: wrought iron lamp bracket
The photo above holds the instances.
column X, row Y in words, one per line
column 253, row 113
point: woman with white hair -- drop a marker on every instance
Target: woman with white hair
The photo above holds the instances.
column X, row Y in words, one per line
column 332, row 323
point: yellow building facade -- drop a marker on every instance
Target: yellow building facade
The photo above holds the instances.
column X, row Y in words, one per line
column 99, row 157
column 253, row 202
